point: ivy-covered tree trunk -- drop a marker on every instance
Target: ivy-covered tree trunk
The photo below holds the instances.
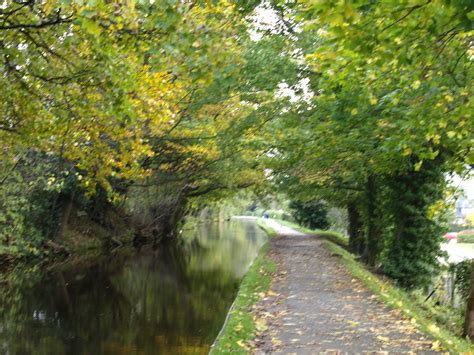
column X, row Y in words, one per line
column 469, row 320
column 414, row 243
column 356, row 235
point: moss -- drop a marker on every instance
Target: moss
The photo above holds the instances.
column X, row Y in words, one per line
column 239, row 329
column 400, row 299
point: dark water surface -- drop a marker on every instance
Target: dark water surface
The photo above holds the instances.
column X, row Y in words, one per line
column 171, row 300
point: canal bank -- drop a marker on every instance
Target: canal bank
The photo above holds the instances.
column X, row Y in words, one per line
column 240, row 328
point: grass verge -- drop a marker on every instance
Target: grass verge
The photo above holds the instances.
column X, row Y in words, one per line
column 266, row 228
column 399, row 299
column 239, row 327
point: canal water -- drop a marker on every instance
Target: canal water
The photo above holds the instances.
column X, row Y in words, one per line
column 168, row 300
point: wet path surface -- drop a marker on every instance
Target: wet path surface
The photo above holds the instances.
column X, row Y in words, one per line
column 315, row 305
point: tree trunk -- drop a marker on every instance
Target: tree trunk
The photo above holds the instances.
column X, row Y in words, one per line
column 469, row 320
column 356, row 237
column 65, row 217
column 372, row 227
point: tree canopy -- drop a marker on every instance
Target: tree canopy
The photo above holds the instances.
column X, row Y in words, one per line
column 153, row 107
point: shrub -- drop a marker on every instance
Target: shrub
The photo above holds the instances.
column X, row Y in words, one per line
column 311, row 214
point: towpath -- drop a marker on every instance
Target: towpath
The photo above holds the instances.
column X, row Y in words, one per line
column 316, row 306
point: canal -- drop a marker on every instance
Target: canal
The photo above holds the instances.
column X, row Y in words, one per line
column 166, row 300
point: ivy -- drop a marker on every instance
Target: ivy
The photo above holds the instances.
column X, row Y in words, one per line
column 462, row 277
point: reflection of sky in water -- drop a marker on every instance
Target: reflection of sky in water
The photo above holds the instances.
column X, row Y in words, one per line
column 170, row 300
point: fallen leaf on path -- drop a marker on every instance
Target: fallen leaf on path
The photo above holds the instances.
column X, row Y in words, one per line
column 276, row 342
column 261, row 325
column 436, row 345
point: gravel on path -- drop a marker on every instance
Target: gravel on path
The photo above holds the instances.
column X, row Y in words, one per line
column 316, row 306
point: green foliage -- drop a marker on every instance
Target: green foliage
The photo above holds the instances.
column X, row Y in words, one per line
column 462, row 277
column 311, row 214
column 388, row 119
column 136, row 99
column 413, row 246
column 27, row 214
column 335, row 237
column 347, row 102
column 278, row 214
column 466, row 236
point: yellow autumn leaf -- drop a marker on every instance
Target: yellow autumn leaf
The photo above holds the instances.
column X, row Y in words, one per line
column 242, row 344
column 261, row 325
column 433, row 328
column 416, row 84
column 436, row 345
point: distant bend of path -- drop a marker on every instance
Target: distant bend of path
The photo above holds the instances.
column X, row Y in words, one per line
column 316, row 306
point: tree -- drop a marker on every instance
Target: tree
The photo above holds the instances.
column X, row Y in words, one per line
column 130, row 102
column 388, row 108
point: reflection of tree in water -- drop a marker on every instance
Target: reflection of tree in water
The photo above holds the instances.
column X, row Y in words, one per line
column 172, row 297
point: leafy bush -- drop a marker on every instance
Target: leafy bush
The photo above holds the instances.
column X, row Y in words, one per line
column 311, row 214
column 466, row 236
column 279, row 214
column 32, row 199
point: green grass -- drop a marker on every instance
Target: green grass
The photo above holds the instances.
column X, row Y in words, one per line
column 400, row 299
column 266, row 228
column 239, row 329
column 334, row 237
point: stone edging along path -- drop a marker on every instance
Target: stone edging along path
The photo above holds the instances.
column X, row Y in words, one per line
column 315, row 305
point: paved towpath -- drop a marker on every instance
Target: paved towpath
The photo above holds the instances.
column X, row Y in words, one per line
column 316, row 306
